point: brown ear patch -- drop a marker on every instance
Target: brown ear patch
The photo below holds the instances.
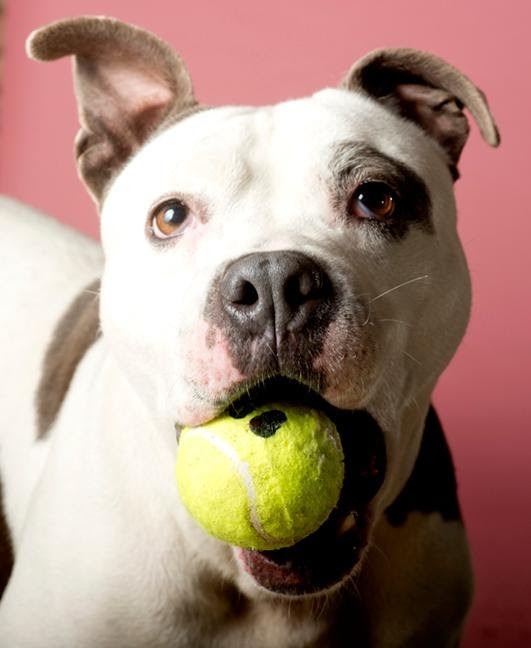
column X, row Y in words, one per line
column 428, row 91
column 127, row 82
column 75, row 333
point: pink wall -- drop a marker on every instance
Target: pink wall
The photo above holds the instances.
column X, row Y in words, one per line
column 243, row 52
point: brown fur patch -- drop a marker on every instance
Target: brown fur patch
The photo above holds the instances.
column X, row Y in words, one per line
column 76, row 331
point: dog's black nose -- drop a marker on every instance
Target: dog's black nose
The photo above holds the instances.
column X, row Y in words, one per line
column 274, row 294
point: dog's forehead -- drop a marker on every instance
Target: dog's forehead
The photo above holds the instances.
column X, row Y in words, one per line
column 228, row 148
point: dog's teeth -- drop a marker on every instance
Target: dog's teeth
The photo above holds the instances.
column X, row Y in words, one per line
column 347, row 523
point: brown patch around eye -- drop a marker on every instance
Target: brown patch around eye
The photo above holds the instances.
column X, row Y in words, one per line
column 356, row 166
column 168, row 218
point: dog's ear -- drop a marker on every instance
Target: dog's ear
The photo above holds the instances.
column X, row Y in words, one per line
column 427, row 90
column 127, row 82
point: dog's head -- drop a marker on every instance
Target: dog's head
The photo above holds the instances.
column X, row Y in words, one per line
column 305, row 250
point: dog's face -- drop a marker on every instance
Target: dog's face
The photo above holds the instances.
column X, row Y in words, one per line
column 306, row 250
column 264, row 200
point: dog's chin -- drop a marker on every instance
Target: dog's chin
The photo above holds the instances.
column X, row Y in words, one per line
column 327, row 557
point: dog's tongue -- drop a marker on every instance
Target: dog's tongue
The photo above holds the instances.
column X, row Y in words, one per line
column 282, row 578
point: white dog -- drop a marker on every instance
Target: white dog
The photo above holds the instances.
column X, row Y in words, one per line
column 307, row 249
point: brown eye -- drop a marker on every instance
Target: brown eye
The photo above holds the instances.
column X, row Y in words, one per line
column 168, row 219
column 373, row 200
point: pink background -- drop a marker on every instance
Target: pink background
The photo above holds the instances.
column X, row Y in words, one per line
column 243, row 52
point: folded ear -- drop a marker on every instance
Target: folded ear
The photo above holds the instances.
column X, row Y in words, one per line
column 427, row 90
column 127, row 82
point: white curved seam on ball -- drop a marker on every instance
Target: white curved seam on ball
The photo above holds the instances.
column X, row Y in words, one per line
column 243, row 470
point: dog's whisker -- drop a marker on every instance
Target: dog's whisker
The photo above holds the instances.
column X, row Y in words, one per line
column 353, row 586
column 381, row 552
column 412, row 357
column 272, row 351
column 368, row 318
column 400, row 285
column 416, row 404
column 362, row 381
column 321, row 603
column 173, row 386
column 396, row 321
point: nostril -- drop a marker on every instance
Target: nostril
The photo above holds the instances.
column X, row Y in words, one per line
column 296, row 291
column 304, row 287
column 244, row 294
column 307, row 284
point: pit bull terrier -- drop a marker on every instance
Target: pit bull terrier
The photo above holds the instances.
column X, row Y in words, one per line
column 304, row 251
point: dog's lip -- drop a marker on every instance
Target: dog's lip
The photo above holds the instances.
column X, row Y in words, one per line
column 251, row 394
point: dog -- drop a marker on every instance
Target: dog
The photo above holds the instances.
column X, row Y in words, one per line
column 304, row 251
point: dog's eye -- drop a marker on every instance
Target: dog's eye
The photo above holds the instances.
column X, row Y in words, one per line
column 374, row 200
column 168, row 218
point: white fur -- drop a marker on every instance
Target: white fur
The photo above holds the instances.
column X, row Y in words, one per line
column 106, row 554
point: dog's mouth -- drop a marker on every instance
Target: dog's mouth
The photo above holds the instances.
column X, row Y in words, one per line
column 330, row 554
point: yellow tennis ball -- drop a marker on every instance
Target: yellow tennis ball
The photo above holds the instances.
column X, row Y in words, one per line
column 263, row 481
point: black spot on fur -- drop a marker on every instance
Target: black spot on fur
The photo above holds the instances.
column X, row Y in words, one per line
column 431, row 487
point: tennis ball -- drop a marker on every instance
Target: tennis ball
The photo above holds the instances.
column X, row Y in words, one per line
column 263, row 481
